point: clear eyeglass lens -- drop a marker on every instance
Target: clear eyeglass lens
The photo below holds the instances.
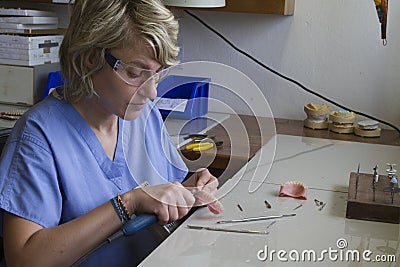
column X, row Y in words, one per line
column 137, row 76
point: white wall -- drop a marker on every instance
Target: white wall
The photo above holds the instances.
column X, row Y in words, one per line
column 331, row 46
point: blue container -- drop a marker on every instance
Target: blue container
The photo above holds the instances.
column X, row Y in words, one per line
column 54, row 79
column 194, row 89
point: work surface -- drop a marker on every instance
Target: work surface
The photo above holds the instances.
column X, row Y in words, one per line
column 324, row 166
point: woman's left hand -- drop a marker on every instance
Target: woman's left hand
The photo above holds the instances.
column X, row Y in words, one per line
column 206, row 186
column 206, row 181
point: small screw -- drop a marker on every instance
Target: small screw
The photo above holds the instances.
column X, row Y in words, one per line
column 267, row 204
column 322, row 207
column 318, row 203
column 239, row 207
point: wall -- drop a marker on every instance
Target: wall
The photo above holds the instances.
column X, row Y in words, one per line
column 330, row 46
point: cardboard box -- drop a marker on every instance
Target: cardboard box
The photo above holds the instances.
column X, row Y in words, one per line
column 30, row 42
column 24, row 84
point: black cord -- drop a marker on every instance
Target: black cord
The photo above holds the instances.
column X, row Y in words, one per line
column 287, row 78
column 109, row 239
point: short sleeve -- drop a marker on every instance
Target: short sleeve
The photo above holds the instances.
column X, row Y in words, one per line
column 28, row 181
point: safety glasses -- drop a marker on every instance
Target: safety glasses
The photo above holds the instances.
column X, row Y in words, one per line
column 131, row 74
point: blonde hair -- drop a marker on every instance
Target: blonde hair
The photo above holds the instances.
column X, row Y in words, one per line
column 100, row 25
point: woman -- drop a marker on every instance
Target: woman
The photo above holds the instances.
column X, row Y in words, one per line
column 64, row 160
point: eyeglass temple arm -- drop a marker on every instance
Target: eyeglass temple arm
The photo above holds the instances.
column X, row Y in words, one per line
column 112, row 61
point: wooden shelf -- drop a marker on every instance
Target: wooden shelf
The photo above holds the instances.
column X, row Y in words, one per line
column 41, row 1
column 37, row 1
column 280, row 7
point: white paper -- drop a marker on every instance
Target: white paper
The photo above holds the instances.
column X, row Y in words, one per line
column 30, row 20
column 175, row 104
column 25, row 12
column 20, row 26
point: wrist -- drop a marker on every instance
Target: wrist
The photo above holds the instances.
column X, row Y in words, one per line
column 128, row 202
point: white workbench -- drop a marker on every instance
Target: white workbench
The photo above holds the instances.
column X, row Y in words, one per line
column 322, row 165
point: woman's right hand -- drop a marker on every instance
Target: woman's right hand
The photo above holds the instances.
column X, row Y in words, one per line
column 169, row 202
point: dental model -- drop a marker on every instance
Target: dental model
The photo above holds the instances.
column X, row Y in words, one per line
column 293, row 189
column 11, row 115
column 342, row 121
column 317, row 116
column 368, row 128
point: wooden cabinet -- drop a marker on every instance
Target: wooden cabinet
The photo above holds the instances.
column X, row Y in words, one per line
column 280, row 7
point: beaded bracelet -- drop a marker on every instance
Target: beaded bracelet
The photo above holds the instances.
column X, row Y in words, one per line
column 116, row 208
column 120, row 209
column 122, row 205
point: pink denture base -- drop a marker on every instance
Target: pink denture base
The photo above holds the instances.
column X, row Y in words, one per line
column 294, row 190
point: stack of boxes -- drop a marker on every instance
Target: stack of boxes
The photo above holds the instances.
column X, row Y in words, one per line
column 29, row 50
column 29, row 46
column 28, row 37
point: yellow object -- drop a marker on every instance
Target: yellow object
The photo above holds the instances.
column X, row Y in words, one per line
column 342, row 116
column 367, row 133
column 342, row 121
column 316, row 109
column 317, row 116
column 201, row 146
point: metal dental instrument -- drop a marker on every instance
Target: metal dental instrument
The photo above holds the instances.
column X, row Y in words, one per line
column 358, row 173
column 269, row 225
column 242, row 231
column 299, row 206
column 375, row 180
column 251, row 219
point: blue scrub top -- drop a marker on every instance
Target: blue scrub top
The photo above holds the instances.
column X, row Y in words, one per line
column 54, row 169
